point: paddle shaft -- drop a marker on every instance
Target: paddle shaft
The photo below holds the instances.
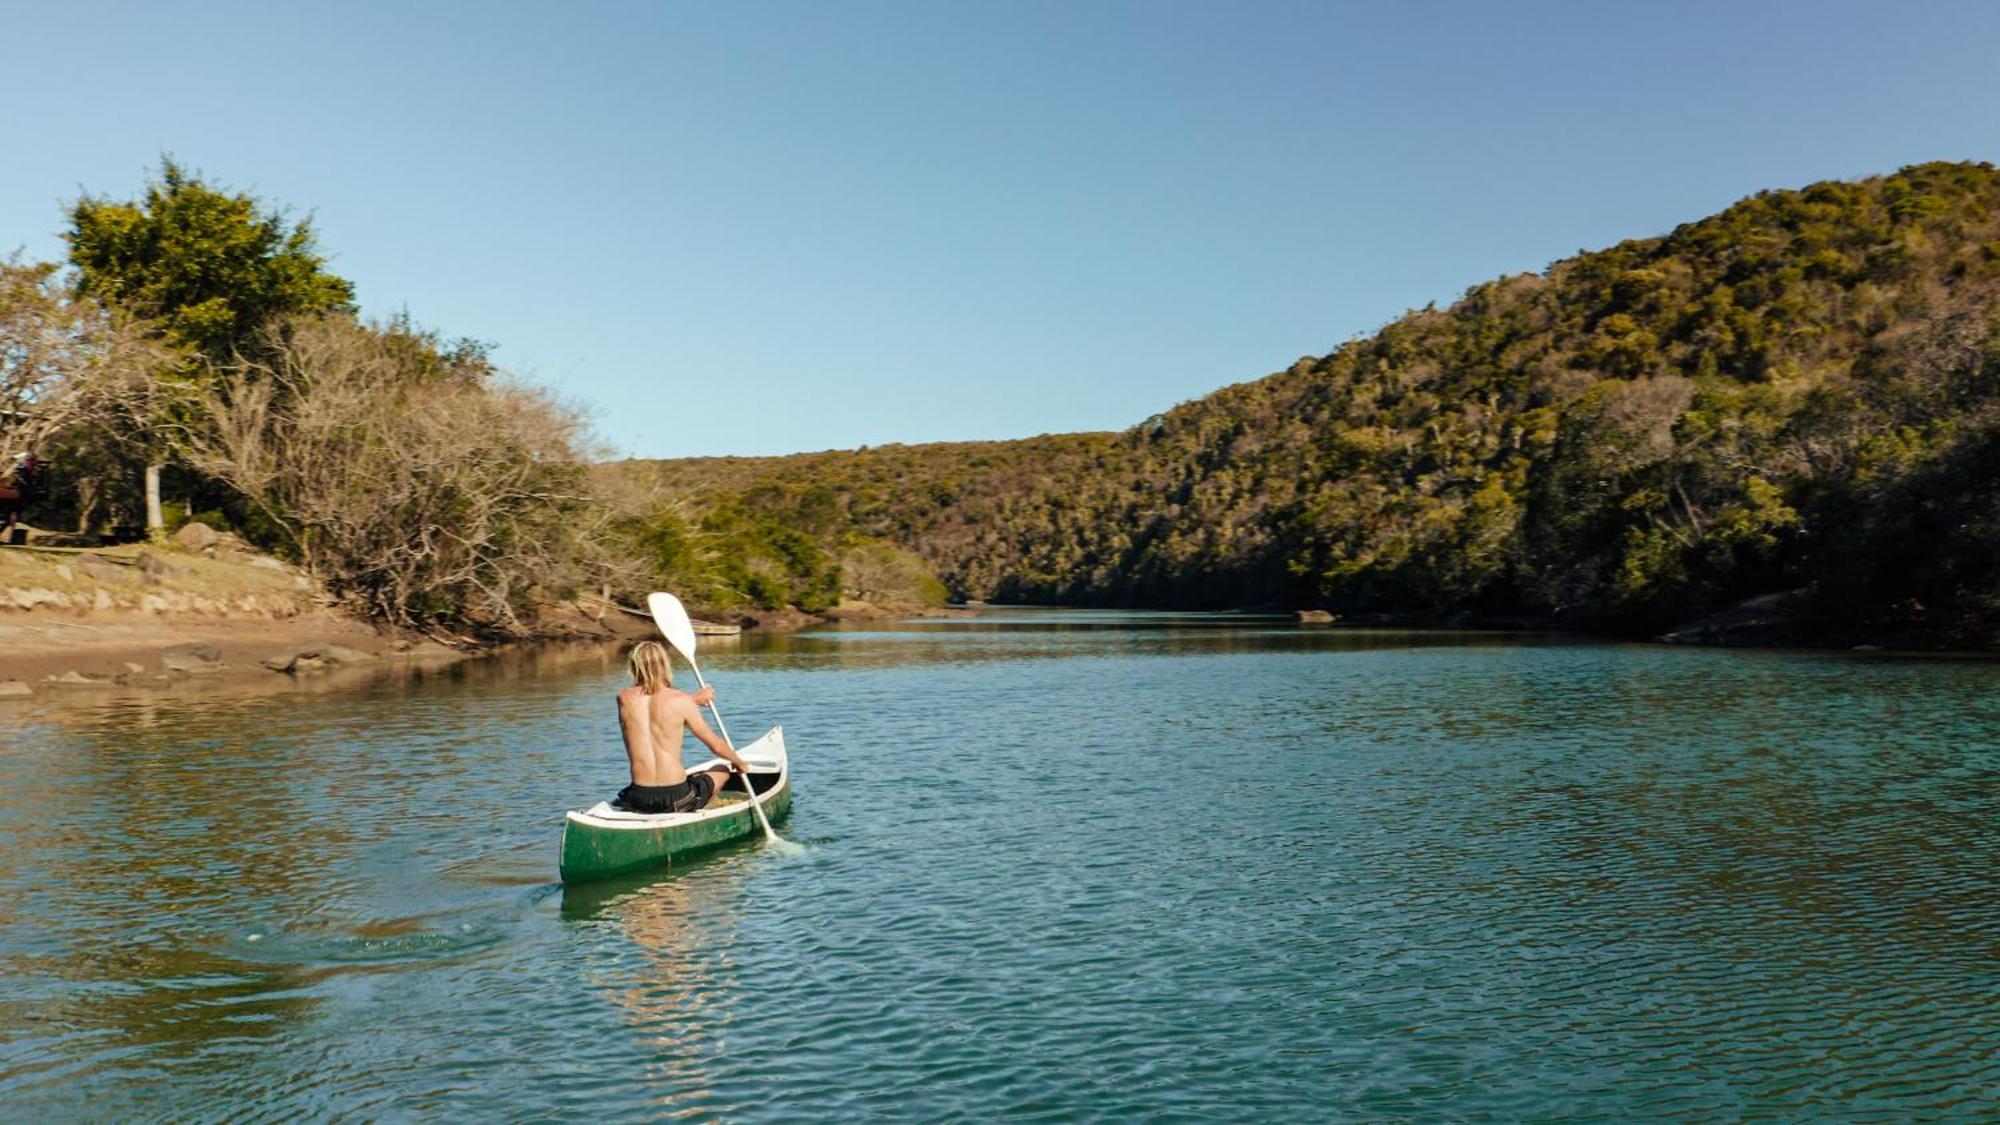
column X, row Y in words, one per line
column 723, row 729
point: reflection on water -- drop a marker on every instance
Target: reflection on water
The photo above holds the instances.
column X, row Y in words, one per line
column 673, row 992
column 1050, row 635
column 1060, row 865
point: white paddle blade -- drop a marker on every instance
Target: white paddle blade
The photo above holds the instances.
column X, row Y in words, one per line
column 672, row 618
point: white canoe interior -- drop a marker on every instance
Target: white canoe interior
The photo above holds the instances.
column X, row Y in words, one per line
column 765, row 756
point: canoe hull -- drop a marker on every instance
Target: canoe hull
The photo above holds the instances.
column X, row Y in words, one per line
column 599, row 843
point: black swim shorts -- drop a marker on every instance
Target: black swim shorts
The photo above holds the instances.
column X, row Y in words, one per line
column 688, row 796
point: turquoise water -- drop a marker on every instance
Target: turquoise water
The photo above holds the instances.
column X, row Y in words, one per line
column 1060, row 866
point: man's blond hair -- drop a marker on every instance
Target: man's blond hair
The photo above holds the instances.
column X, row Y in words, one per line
column 650, row 669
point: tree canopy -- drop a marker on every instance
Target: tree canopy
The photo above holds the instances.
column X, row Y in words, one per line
column 212, row 266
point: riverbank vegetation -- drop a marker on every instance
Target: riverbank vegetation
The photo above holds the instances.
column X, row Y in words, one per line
column 1799, row 395
column 196, row 359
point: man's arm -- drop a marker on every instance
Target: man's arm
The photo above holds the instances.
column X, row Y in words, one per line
column 709, row 738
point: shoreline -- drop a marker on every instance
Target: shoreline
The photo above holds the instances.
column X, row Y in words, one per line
column 50, row 658
column 188, row 614
column 90, row 623
column 83, row 623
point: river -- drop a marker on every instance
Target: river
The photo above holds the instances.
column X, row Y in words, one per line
column 1067, row 866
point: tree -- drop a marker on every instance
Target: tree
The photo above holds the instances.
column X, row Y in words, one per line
column 424, row 495
column 213, row 267
column 210, row 268
column 76, row 379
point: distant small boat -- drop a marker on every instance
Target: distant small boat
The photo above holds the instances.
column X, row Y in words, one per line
column 601, row 841
column 711, row 629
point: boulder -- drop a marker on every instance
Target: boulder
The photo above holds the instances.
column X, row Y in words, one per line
column 192, row 660
column 97, row 566
column 293, row 661
column 157, row 567
column 1762, row 620
column 74, row 678
column 1315, row 617
column 315, row 658
column 781, row 620
column 30, row 598
column 268, row 563
column 14, row 689
column 197, row 536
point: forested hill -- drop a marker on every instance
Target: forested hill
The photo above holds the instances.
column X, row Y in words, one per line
column 1801, row 392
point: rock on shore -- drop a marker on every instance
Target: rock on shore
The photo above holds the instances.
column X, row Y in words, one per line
column 1764, row 620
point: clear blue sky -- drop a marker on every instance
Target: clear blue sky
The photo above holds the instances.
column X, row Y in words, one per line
column 762, row 227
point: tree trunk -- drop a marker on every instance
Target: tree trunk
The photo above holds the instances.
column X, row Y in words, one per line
column 86, row 503
column 156, row 524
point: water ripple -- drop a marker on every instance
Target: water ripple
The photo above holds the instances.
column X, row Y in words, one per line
column 1061, row 868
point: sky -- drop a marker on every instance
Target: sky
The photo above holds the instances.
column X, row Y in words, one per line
column 764, row 228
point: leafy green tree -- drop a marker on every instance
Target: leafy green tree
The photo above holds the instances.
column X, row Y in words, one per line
column 211, row 268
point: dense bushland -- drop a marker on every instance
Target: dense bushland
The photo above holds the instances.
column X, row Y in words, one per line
column 198, row 358
column 1800, row 392
column 769, row 546
column 198, row 348
column 423, row 486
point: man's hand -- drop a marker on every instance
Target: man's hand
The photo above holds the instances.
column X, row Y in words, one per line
column 705, row 696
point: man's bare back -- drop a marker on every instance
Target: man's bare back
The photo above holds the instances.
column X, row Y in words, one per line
column 652, row 716
column 652, row 725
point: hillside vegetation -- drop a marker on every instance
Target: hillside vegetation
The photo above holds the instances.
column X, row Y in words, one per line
column 1801, row 392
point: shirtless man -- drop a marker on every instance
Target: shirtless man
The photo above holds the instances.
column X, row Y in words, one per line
column 651, row 715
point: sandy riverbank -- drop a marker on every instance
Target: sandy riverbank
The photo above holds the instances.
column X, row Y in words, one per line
column 203, row 613
column 77, row 621
column 46, row 653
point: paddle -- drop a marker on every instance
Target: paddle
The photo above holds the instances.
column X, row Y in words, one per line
column 672, row 618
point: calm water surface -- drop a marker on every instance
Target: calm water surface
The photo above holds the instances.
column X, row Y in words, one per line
column 1057, row 865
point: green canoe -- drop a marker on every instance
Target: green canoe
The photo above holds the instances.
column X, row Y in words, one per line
column 600, row 841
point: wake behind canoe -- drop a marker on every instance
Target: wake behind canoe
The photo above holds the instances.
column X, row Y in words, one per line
column 601, row 841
